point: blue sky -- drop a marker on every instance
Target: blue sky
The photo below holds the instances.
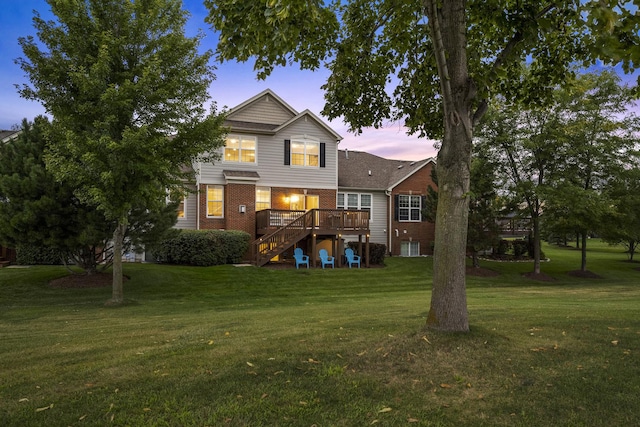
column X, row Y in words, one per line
column 235, row 83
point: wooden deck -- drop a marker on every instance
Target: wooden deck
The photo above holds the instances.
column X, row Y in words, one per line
column 279, row 230
column 323, row 221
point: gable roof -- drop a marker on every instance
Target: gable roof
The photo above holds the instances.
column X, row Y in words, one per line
column 270, row 128
column 357, row 169
column 8, row 135
column 261, row 95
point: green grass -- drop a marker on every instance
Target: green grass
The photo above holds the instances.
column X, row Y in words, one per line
column 260, row 347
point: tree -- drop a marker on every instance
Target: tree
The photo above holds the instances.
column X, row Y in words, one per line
column 126, row 88
column 37, row 210
column 623, row 226
column 602, row 135
column 446, row 59
column 527, row 144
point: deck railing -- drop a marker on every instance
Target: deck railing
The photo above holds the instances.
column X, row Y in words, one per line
column 289, row 227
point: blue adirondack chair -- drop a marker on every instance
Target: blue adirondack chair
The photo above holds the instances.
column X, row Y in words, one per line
column 300, row 257
column 325, row 259
column 351, row 257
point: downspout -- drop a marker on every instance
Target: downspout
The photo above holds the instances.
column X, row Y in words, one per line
column 198, row 196
column 388, row 194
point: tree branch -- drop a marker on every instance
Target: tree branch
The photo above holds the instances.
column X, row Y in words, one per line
column 431, row 10
column 501, row 59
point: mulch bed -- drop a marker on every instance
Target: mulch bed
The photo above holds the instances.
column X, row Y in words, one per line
column 539, row 276
column 481, row 272
column 584, row 274
column 75, row 281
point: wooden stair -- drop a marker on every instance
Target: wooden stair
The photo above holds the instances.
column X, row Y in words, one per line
column 274, row 244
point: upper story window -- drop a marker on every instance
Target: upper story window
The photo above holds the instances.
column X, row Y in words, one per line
column 409, row 207
column 304, row 151
column 240, row 149
column 215, row 201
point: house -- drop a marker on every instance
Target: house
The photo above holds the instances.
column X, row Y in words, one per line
column 277, row 180
column 393, row 192
column 282, row 179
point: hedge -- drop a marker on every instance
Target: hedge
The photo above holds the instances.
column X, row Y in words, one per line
column 203, row 247
column 37, row 255
column 377, row 251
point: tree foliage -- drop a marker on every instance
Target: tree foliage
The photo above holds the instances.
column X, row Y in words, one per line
column 126, row 88
column 601, row 135
column 435, row 65
column 35, row 210
column 623, row 225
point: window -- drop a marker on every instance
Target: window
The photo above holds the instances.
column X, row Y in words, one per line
column 409, row 248
column 215, row 201
column 354, row 201
column 182, row 205
column 182, row 208
column 263, row 198
column 240, row 149
column 409, row 208
column 301, row 202
column 305, row 153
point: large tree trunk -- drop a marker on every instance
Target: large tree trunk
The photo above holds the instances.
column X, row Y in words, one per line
column 583, row 261
column 117, row 293
column 536, row 244
column 449, row 299
column 447, row 26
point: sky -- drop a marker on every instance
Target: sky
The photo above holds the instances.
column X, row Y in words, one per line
column 234, row 84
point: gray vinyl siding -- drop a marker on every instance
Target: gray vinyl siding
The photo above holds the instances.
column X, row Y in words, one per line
column 190, row 221
column 270, row 161
column 264, row 110
column 379, row 216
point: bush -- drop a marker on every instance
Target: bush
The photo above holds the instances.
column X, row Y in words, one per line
column 377, row 252
column 203, row 247
column 520, row 247
column 503, row 247
column 34, row 255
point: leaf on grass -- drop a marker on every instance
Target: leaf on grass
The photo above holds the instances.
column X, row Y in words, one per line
column 146, row 409
column 445, row 385
column 250, row 364
column 210, row 342
column 384, row 410
column 627, row 352
column 82, row 417
column 24, row 399
column 264, row 395
column 424, row 337
column 303, row 403
column 374, row 422
column 614, row 342
column 278, row 372
column 44, row 408
column 362, row 353
column 413, row 420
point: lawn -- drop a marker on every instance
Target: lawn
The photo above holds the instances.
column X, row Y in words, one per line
column 246, row 346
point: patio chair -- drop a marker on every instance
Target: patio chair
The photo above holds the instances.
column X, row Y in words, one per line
column 300, row 257
column 351, row 257
column 325, row 259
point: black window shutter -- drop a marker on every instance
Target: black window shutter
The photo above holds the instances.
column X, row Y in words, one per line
column 423, row 205
column 287, row 152
column 396, row 207
column 323, row 157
